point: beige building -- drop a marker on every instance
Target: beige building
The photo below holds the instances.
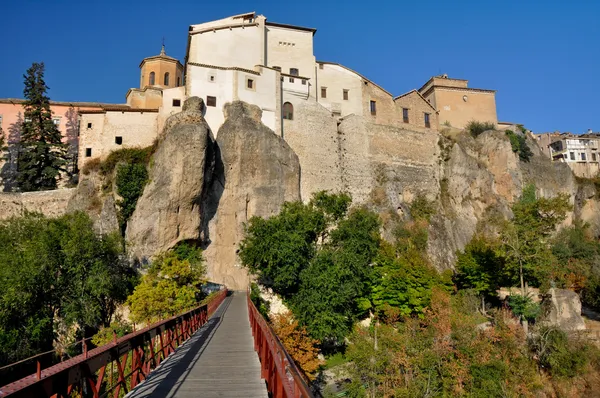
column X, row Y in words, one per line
column 271, row 65
column 580, row 152
column 457, row 103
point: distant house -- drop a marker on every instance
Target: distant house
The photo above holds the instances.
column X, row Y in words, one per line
column 580, row 152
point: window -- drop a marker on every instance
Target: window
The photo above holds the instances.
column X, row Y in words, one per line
column 593, row 157
column 119, row 140
column 152, row 77
column 294, row 72
column 211, row 78
column 211, row 101
column 288, row 111
column 582, row 155
column 345, row 95
column 178, row 81
column 277, row 68
column 291, row 79
column 373, row 107
column 88, row 152
column 405, row 115
column 427, row 123
column 572, row 154
column 176, row 102
column 56, row 121
column 166, row 79
column 304, row 82
column 323, row 92
column 320, row 66
column 89, row 125
column 250, row 84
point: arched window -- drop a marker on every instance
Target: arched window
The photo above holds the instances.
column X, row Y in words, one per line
column 151, row 81
column 167, row 79
column 288, row 111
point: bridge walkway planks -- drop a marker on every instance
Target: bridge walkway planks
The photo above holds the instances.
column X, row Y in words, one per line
column 217, row 361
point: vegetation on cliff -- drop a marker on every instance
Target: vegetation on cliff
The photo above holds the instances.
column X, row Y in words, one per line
column 430, row 334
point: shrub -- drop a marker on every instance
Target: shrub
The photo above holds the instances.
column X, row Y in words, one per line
column 475, row 128
column 523, row 306
column 421, row 208
column 303, row 349
column 519, row 145
column 130, row 183
column 261, row 305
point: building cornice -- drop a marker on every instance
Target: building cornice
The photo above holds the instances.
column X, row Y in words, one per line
column 229, row 26
column 226, row 68
column 119, row 108
column 450, row 88
column 293, row 27
column 19, row 101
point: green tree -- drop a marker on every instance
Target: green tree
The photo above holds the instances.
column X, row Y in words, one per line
column 279, row 248
column 478, row 267
column 334, row 288
column 525, row 239
column 56, row 269
column 42, row 155
column 170, row 286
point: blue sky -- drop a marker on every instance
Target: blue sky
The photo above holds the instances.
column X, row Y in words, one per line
column 543, row 57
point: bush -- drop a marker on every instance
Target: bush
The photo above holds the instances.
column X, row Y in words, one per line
column 523, row 306
column 130, row 183
column 561, row 355
column 519, row 145
column 475, row 128
column 303, row 349
column 421, row 208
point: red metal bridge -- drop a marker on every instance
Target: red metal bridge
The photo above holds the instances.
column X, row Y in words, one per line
column 222, row 349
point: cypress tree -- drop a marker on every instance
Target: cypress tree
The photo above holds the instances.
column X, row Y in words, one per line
column 42, row 155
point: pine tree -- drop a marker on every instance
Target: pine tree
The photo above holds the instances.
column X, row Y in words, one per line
column 42, row 155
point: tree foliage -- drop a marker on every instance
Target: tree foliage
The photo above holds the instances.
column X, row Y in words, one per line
column 317, row 256
column 42, row 154
column 56, row 268
column 525, row 239
column 302, row 348
column 170, row 286
column 130, row 182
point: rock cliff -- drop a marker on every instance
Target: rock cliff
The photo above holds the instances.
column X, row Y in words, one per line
column 256, row 172
column 171, row 207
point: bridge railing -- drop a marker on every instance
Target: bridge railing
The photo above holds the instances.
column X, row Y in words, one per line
column 284, row 379
column 131, row 359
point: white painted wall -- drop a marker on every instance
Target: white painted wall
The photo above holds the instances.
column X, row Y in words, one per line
column 289, row 48
column 237, row 46
column 337, row 79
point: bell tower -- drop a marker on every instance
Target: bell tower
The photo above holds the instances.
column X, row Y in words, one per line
column 161, row 71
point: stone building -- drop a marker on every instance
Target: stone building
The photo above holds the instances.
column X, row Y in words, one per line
column 272, row 65
column 457, row 103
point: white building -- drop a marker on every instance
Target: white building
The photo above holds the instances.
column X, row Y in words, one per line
column 581, row 153
column 246, row 58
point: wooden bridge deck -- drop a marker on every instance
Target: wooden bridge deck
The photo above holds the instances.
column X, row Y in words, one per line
column 218, row 361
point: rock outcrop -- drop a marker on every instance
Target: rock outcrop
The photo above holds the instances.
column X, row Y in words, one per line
column 100, row 206
column 170, row 209
column 561, row 308
column 256, row 172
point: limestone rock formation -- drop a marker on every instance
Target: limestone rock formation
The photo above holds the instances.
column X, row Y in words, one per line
column 256, row 172
column 100, row 206
column 561, row 308
column 170, row 209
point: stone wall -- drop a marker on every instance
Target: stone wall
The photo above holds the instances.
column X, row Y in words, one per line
column 50, row 203
column 417, row 108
